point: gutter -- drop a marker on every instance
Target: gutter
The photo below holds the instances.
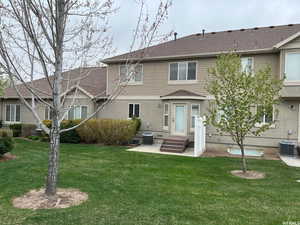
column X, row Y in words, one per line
column 198, row 55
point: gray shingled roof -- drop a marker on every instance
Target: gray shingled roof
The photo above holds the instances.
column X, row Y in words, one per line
column 93, row 81
column 259, row 39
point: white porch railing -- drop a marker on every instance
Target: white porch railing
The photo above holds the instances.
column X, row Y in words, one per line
column 199, row 136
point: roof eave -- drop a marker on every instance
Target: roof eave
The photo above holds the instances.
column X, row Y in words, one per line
column 198, row 55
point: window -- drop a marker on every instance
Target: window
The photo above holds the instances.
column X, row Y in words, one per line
column 219, row 116
column 131, row 73
column 48, row 113
column 134, row 110
column 182, row 71
column 267, row 114
column 166, row 116
column 292, row 66
column 247, row 64
column 13, row 113
column 77, row 112
column 195, row 112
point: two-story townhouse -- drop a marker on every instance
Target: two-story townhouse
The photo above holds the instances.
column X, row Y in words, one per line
column 169, row 86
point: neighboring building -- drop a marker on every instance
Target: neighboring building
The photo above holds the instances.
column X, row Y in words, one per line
column 168, row 89
column 91, row 91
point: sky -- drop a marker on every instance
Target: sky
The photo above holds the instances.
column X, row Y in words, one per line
column 191, row 16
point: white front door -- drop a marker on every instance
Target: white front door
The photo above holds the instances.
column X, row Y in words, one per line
column 179, row 121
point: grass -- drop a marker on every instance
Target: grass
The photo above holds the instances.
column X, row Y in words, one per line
column 138, row 188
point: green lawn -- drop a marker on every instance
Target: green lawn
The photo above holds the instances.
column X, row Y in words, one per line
column 139, row 188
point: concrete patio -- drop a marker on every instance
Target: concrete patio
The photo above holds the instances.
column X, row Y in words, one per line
column 155, row 148
column 290, row 161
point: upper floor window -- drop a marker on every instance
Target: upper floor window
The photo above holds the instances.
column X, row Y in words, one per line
column 292, row 66
column 183, row 71
column 134, row 110
column 131, row 73
column 78, row 112
column 13, row 113
column 247, row 64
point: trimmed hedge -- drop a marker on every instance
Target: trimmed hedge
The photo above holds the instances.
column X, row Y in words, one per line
column 108, row 131
column 6, row 141
column 69, row 136
column 16, row 128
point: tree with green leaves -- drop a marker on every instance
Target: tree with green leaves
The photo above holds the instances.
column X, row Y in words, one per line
column 243, row 99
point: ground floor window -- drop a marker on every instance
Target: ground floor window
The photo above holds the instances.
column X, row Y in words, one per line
column 13, row 113
column 134, row 110
column 195, row 110
column 78, row 112
column 267, row 116
column 48, row 113
column 166, row 116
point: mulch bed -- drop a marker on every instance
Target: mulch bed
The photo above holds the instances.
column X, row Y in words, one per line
column 7, row 156
column 36, row 199
column 250, row 174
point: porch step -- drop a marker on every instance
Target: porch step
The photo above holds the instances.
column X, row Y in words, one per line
column 175, row 144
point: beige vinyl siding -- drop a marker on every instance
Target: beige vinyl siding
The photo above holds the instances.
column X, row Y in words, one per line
column 156, row 76
column 292, row 44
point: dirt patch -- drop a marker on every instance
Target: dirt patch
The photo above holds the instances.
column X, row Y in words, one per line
column 36, row 199
column 7, row 156
column 250, row 174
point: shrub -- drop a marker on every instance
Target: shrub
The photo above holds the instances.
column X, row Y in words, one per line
column 107, row 131
column 6, row 141
column 16, row 128
column 138, row 124
column 5, row 132
column 34, row 138
column 27, row 130
column 69, row 136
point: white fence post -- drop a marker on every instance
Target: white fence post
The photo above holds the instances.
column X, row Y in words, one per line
column 199, row 136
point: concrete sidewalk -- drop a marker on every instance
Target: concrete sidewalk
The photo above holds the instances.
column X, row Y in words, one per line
column 290, row 161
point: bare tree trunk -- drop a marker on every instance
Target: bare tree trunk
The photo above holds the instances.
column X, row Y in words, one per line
column 244, row 163
column 53, row 163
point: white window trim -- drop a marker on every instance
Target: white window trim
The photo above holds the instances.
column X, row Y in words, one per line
column 251, row 57
column 48, row 116
column 12, row 122
column 87, row 112
column 264, row 123
column 131, row 82
column 192, row 128
column 290, row 82
column 183, row 81
column 134, row 109
column 166, row 114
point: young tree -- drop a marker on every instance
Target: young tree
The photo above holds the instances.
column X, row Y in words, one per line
column 46, row 37
column 241, row 99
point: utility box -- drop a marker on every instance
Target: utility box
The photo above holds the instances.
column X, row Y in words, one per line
column 147, row 138
column 287, row 148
